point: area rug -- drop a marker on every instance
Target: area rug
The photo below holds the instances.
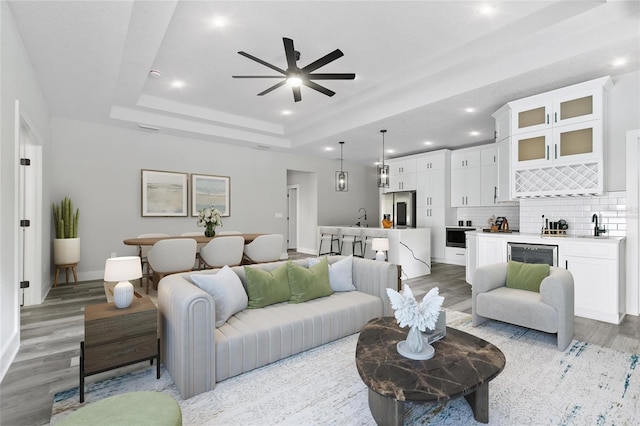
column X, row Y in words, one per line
column 137, row 291
column 584, row 385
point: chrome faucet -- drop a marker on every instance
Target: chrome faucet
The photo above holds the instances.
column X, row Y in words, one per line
column 596, row 229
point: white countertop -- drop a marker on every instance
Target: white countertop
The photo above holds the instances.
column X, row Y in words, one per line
column 537, row 238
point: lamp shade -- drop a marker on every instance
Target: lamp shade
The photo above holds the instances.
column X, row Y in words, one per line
column 122, row 268
column 380, row 244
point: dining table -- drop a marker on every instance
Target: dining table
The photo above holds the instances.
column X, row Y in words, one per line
column 149, row 241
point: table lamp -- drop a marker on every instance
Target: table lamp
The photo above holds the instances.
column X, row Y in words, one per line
column 121, row 270
column 380, row 245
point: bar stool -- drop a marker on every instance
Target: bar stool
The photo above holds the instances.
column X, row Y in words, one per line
column 369, row 234
column 330, row 234
column 351, row 236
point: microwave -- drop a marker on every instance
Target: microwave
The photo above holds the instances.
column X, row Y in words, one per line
column 456, row 236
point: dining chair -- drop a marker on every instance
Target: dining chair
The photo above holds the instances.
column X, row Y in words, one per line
column 223, row 251
column 169, row 257
column 265, row 248
column 144, row 250
column 200, row 245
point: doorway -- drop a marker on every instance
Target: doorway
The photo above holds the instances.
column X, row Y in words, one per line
column 292, row 216
column 30, row 212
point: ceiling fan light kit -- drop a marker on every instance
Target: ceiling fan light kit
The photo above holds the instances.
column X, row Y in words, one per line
column 342, row 177
column 295, row 76
column 383, row 170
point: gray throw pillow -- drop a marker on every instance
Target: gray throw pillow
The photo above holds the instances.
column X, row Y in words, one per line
column 227, row 291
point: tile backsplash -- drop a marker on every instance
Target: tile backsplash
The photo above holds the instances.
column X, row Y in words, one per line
column 611, row 209
column 480, row 215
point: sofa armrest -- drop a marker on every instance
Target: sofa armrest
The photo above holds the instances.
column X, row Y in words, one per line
column 374, row 277
column 485, row 279
column 187, row 316
column 557, row 290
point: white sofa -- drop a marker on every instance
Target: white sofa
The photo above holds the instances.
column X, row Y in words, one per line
column 197, row 355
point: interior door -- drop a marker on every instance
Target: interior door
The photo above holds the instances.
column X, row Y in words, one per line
column 292, row 218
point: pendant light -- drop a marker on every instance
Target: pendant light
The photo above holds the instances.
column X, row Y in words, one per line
column 383, row 170
column 342, row 177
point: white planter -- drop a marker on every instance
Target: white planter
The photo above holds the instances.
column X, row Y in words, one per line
column 66, row 251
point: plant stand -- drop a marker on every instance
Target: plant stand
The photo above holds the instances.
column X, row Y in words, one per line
column 66, row 267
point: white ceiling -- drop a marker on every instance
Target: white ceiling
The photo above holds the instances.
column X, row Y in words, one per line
column 418, row 66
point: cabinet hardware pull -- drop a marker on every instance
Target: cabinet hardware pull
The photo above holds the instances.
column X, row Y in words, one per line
column 495, row 194
column 547, row 152
column 555, row 147
column 547, row 118
column 555, row 117
column 566, row 264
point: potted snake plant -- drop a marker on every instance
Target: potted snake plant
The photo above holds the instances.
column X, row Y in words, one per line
column 66, row 245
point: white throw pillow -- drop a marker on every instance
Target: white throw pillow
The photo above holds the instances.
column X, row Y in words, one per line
column 340, row 273
column 227, row 291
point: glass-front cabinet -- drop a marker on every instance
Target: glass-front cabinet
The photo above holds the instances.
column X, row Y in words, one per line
column 569, row 143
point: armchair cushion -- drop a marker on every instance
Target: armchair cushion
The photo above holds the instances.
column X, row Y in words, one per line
column 267, row 287
column 307, row 284
column 526, row 276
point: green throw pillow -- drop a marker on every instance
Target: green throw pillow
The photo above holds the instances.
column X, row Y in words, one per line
column 265, row 288
column 526, row 276
column 307, row 284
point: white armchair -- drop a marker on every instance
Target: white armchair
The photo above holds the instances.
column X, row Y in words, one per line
column 550, row 310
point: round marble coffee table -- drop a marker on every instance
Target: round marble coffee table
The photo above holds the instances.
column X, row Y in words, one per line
column 463, row 365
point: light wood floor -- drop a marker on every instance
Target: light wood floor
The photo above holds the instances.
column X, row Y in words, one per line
column 51, row 333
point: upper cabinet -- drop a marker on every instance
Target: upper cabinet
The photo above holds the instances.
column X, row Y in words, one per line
column 556, row 141
column 402, row 175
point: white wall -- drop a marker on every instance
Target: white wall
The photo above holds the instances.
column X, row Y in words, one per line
column 99, row 168
column 17, row 82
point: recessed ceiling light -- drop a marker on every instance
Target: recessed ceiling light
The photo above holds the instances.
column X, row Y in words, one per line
column 619, row 62
column 469, row 109
column 377, row 163
column 177, row 84
column 219, row 22
column 328, row 148
column 474, row 133
column 427, row 143
column 487, row 9
column 391, row 151
column 286, row 112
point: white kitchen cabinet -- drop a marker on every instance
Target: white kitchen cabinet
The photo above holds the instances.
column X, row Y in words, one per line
column 489, row 176
column 402, row 175
column 488, row 249
column 505, row 180
column 598, row 278
column 557, row 141
column 465, row 158
column 455, row 255
column 569, row 105
column 465, row 187
column 580, row 142
column 432, row 198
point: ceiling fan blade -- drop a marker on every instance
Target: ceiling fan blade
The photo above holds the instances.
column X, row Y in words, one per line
column 297, row 95
column 318, row 88
column 329, row 57
column 260, row 61
column 274, row 87
column 257, row 76
column 289, row 52
column 339, row 76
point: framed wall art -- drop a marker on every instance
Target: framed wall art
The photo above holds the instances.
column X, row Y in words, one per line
column 164, row 193
column 209, row 190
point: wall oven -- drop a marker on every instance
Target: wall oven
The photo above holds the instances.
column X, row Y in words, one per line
column 456, row 236
column 533, row 253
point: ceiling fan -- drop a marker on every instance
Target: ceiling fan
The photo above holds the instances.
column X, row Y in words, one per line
column 296, row 76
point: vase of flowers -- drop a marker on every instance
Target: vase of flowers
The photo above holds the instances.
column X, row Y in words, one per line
column 210, row 219
column 419, row 317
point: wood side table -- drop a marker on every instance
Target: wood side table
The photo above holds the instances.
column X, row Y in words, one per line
column 116, row 337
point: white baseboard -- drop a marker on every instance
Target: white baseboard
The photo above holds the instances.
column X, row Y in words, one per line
column 9, row 352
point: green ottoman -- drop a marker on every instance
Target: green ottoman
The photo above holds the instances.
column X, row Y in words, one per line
column 130, row 409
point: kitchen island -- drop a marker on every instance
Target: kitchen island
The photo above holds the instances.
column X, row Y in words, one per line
column 408, row 247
